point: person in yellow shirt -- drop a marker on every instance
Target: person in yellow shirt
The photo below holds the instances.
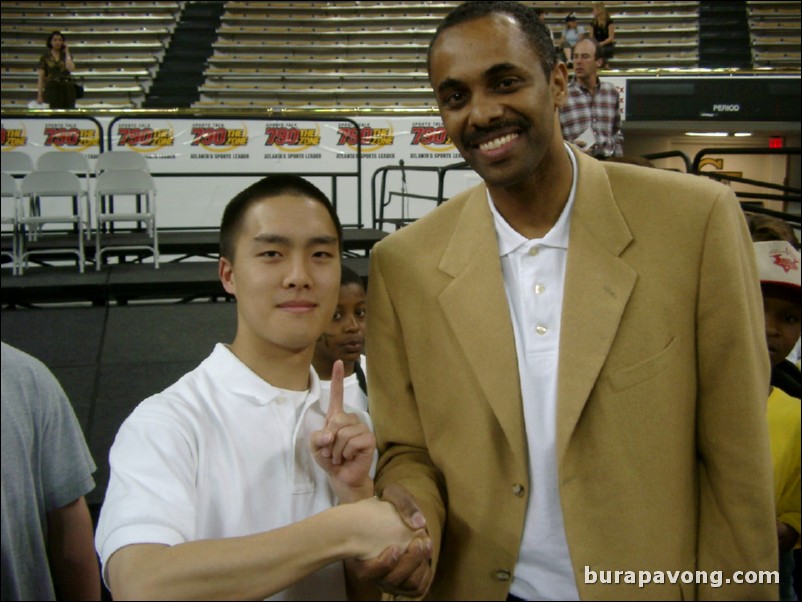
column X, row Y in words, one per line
column 779, row 271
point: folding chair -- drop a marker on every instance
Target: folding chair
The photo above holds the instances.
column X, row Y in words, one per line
column 76, row 163
column 134, row 183
column 16, row 163
column 47, row 189
column 119, row 161
column 11, row 198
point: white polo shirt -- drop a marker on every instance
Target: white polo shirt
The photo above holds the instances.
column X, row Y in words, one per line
column 221, row 453
column 534, row 275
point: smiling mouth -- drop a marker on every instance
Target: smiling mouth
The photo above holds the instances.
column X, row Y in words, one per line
column 497, row 142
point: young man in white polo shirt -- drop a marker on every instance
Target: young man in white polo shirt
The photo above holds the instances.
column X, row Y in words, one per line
column 226, row 484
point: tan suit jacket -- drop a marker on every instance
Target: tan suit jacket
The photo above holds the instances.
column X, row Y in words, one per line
column 662, row 442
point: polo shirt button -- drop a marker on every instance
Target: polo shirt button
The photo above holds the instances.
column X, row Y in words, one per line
column 541, row 330
column 503, row 575
column 539, row 289
column 534, row 251
column 518, row 489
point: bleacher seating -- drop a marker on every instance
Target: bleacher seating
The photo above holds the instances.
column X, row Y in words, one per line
column 324, row 54
column 775, row 32
column 368, row 54
column 117, row 47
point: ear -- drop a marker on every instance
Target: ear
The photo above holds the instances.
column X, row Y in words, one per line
column 559, row 84
column 225, row 269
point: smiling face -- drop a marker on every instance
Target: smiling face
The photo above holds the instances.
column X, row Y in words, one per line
column 497, row 105
column 285, row 275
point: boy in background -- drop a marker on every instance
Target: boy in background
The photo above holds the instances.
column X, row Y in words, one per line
column 344, row 340
column 778, row 265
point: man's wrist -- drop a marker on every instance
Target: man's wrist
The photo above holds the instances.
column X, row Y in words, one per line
column 349, row 495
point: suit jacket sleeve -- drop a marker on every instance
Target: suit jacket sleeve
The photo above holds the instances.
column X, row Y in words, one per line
column 735, row 530
column 404, row 459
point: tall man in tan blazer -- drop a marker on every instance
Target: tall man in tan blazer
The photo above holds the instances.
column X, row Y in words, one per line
column 567, row 364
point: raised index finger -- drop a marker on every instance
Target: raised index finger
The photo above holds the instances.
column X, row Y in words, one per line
column 336, row 395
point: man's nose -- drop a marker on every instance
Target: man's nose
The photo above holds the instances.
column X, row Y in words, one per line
column 485, row 110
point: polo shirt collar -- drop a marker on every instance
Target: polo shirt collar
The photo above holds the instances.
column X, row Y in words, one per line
column 509, row 239
column 229, row 369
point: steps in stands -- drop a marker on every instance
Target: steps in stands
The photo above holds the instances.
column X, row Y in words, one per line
column 724, row 35
column 181, row 73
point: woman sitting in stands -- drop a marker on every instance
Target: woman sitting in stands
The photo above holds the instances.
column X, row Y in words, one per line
column 55, row 85
column 603, row 31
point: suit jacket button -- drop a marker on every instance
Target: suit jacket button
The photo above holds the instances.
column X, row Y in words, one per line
column 518, row 489
column 503, row 575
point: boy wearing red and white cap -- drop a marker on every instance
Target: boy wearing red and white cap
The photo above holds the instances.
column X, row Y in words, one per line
column 778, row 264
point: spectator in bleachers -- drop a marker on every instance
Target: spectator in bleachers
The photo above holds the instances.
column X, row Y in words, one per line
column 591, row 117
column 46, row 472
column 547, row 376
column 241, row 481
column 55, row 84
column 344, row 340
column 603, row 31
column 571, row 34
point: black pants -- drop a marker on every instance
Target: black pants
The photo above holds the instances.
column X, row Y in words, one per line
column 59, row 94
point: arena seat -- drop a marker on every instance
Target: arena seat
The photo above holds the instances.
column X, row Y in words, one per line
column 775, row 34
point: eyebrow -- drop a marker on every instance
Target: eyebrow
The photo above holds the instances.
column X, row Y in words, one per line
column 449, row 82
column 278, row 239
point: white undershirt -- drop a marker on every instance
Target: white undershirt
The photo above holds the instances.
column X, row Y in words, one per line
column 534, row 275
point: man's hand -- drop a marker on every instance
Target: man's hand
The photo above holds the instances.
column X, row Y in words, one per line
column 408, row 573
column 345, row 446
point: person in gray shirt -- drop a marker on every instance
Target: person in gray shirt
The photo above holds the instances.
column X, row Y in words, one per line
column 47, row 540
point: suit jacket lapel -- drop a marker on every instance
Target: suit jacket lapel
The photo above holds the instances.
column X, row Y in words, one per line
column 597, row 287
column 476, row 308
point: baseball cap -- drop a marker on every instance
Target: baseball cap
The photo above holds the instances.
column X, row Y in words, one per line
column 778, row 262
column 570, row 18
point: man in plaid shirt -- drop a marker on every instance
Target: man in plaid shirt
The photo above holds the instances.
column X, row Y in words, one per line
column 590, row 118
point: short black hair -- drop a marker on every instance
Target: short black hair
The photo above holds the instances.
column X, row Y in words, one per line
column 349, row 276
column 536, row 33
column 271, row 186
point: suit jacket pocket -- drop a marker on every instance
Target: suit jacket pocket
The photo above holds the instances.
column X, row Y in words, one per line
column 646, row 369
